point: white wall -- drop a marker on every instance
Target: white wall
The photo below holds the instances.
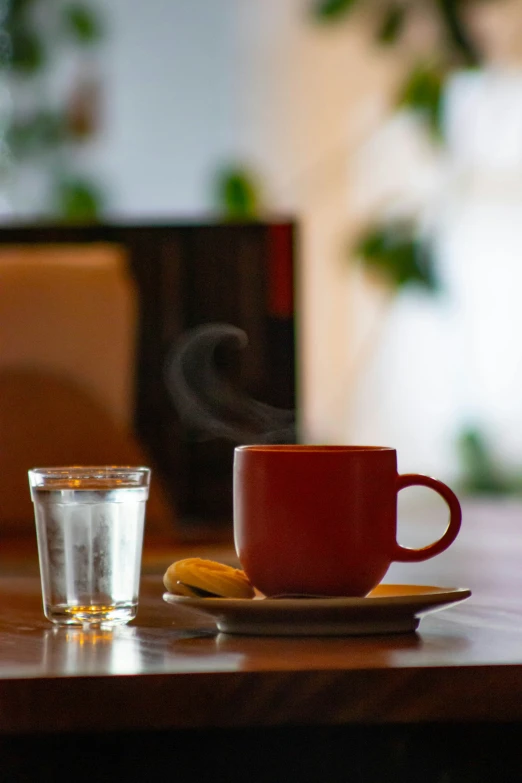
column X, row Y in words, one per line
column 169, row 71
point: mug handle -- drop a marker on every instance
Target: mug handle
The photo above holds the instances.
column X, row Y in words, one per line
column 408, row 555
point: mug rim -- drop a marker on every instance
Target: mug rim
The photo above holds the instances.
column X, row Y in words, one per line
column 306, row 448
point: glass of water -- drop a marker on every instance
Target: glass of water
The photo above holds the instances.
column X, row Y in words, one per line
column 89, row 526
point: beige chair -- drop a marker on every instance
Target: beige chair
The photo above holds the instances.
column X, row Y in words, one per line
column 48, row 420
column 72, row 310
column 67, row 337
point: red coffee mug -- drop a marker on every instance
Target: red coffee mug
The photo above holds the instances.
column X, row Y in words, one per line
column 323, row 519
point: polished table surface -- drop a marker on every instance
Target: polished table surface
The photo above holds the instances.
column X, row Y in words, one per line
column 169, row 669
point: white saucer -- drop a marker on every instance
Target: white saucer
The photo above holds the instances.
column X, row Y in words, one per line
column 387, row 609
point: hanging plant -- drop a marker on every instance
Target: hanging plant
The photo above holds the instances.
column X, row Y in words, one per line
column 49, row 137
column 396, row 250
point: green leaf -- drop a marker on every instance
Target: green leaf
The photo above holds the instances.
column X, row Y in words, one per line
column 392, row 24
column 35, row 134
column 398, row 255
column 82, row 23
column 78, row 200
column 238, row 195
column 332, row 10
column 481, row 474
column 423, row 92
column 27, row 50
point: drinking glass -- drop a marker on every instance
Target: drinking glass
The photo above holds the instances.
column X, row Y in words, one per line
column 89, row 526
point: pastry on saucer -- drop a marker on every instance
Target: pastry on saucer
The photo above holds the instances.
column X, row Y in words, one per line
column 196, row 577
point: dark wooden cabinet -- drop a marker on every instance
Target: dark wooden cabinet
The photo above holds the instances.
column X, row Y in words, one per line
column 189, row 276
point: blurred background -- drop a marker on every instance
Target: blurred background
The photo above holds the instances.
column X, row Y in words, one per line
column 389, row 131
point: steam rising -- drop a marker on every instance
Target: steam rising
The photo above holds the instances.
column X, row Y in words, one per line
column 209, row 403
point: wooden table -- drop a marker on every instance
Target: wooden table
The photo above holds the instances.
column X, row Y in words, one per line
column 168, row 689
